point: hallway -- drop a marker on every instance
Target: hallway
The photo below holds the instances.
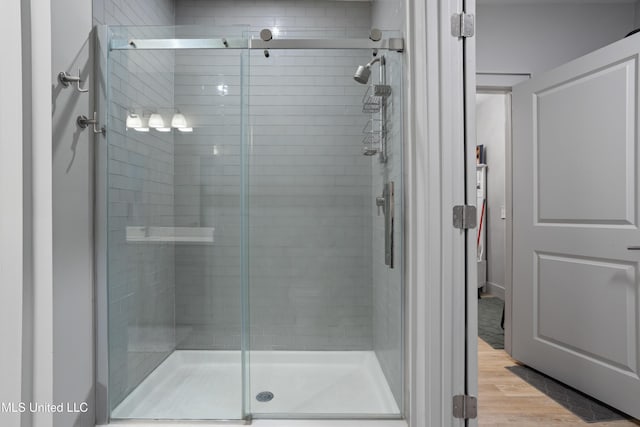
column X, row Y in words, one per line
column 506, row 400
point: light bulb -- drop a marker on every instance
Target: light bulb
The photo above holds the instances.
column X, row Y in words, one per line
column 155, row 121
column 163, row 129
column 133, row 121
column 178, row 121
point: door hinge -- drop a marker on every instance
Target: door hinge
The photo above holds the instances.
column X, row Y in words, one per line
column 465, row 407
column 464, row 217
column 463, row 25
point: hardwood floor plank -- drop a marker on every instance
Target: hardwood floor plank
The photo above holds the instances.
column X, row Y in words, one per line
column 504, row 399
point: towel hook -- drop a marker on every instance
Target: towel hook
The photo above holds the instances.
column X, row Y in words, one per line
column 67, row 79
column 84, row 122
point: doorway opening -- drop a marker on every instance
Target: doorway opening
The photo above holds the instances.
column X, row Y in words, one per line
column 493, row 121
column 510, row 392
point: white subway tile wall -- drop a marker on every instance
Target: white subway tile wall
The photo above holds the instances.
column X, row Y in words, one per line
column 141, row 278
column 309, row 184
column 310, row 235
column 316, row 249
column 208, row 193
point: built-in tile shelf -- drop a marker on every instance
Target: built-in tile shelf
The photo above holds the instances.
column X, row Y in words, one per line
column 190, row 235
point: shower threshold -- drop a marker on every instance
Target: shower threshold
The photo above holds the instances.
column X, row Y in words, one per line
column 206, row 385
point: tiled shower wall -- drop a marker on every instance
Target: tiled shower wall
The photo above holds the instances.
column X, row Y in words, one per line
column 310, row 236
column 310, row 186
column 208, row 194
column 387, row 282
column 317, row 277
column 138, row 12
column 141, row 281
column 388, row 295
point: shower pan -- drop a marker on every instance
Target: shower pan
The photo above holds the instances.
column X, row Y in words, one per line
column 253, row 254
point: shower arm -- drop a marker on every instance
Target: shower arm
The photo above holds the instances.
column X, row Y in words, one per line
column 373, row 61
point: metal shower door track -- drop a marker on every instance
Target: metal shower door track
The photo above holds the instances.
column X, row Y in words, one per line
column 395, row 44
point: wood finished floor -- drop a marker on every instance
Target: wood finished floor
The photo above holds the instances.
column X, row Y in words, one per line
column 504, row 399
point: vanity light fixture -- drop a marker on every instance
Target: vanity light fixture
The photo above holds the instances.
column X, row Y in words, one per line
column 178, row 121
column 156, row 121
column 134, row 121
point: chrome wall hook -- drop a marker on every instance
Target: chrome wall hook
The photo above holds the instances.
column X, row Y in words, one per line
column 84, row 122
column 66, row 80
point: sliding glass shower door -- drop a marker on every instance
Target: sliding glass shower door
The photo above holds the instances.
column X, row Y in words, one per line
column 254, row 226
column 176, row 129
column 325, row 310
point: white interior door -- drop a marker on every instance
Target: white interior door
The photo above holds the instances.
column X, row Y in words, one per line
column 576, row 303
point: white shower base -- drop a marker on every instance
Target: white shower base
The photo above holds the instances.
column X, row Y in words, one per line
column 206, row 385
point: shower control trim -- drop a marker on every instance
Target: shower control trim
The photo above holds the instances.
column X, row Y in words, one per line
column 386, row 202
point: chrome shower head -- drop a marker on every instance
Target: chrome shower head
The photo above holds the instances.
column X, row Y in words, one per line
column 362, row 74
column 364, row 71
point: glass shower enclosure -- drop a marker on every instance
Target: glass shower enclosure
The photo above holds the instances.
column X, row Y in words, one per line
column 253, row 224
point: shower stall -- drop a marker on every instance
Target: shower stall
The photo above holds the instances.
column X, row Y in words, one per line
column 253, row 224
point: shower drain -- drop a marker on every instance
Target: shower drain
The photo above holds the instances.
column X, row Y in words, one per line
column 264, row 396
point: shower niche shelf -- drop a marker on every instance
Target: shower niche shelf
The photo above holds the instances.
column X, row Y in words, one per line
column 185, row 235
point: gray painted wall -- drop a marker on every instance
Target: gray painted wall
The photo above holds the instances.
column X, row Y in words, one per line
column 73, row 344
column 529, row 37
column 491, row 132
column 637, row 14
column 13, row 219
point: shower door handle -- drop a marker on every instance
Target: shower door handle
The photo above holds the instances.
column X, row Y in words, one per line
column 387, row 200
